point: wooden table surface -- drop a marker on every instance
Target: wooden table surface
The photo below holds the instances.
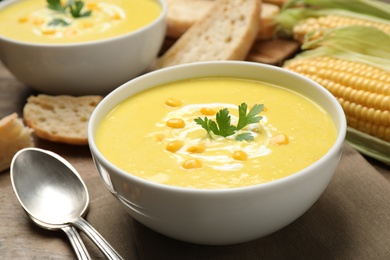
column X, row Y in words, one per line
column 20, row 239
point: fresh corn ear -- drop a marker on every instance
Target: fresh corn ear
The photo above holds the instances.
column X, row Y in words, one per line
column 355, row 43
column 370, row 7
column 320, row 15
column 353, row 63
column 298, row 23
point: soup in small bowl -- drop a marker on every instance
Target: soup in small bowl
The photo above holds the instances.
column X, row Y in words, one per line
column 80, row 47
column 217, row 152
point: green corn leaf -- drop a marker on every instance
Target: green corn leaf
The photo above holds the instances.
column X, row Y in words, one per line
column 354, row 43
column 369, row 7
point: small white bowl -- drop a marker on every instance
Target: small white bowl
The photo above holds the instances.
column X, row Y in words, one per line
column 226, row 216
column 89, row 68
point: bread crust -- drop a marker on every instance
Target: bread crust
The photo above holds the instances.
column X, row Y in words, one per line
column 14, row 135
column 273, row 51
column 62, row 119
column 226, row 32
column 267, row 24
column 275, row 2
column 182, row 14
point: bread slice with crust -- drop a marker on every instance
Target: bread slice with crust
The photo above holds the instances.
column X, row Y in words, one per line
column 266, row 21
column 226, row 32
column 273, row 51
column 14, row 136
column 182, row 14
column 62, row 118
column 276, row 2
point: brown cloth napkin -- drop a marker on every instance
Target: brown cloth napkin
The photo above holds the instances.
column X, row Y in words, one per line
column 351, row 220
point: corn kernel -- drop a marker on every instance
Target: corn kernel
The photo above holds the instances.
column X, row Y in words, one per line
column 173, row 102
column 207, row 111
column 240, row 155
column 279, row 139
column 49, row 32
column 22, row 19
column 92, row 6
column 116, row 16
column 191, row 164
column 175, row 123
column 174, row 146
column 70, row 32
column 198, row 148
column 87, row 25
column 159, row 137
column 38, row 21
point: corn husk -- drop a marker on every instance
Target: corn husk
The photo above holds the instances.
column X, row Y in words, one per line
column 295, row 11
column 291, row 17
column 352, row 43
column 369, row 7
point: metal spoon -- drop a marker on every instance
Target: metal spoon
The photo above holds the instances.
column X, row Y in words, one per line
column 53, row 194
column 73, row 235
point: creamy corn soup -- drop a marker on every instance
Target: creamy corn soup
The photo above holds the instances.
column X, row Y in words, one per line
column 153, row 134
column 33, row 21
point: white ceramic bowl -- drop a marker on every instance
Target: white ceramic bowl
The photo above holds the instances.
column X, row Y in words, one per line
column 95, row 67
column 226, row 216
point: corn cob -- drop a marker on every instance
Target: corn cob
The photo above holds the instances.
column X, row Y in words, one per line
column 376, row 8
column 358, row 75
column 299, row 18
column 363, row 91
column 323, row 23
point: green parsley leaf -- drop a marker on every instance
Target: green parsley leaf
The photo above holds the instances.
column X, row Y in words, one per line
column 58, row 21
column 205, row 123
column 245, row 119
column 75, row 9
column 223, row 127
column 56, row 6
column 245, row 137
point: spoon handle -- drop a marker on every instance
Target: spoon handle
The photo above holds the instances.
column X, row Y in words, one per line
column 77, row 243
column 103, row 245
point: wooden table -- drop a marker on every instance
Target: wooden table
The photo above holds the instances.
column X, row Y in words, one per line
column 350, row 221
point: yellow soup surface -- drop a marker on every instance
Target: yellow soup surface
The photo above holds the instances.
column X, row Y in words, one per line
column 153, row 134
column 32, row 20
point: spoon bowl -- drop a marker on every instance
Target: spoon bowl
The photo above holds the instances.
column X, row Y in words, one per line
column 53, row 194
column 47, row 190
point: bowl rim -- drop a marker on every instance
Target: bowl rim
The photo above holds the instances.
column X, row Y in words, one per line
column 335, row 148
column 158, row 20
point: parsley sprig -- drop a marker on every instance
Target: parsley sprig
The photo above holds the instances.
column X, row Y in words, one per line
column 75, row 8
column 56, row 6
column 223, row 127
column 58, row 21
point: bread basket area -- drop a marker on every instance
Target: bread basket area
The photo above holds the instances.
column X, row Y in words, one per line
column 341, row 46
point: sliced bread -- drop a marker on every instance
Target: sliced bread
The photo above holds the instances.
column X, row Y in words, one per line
column 182, row 14
column 226, row 32
column 267, row 24
column 14, row 135
column 273, row 51
column 275, row 2
column 61, row 119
